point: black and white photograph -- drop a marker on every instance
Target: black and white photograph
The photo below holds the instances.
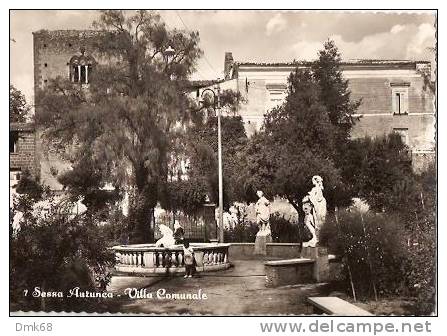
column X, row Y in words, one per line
column 223, row 162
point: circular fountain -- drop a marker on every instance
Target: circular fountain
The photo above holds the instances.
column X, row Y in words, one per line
column 149, row 258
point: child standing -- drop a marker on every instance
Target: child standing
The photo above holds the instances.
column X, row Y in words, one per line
column 188, row 254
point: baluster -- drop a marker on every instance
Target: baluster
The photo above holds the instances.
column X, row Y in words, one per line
column 220, row 259
column 205, row 258
column 157, row 262
column 174, row 262
column 127, row 258
column 215, row 257
column 163, row 259
column 225, row 258
column 168, row 259
column 180, row 259
column 137, row 258
column 142, row 259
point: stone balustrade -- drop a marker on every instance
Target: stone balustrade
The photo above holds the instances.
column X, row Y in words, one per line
column 146, row 258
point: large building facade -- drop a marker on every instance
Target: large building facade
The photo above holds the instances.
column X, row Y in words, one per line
column 395, row 97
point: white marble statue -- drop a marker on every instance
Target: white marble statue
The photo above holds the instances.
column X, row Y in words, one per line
column 315, row 203
column 318, row 201
column 263, row 214
column 167, row 238
column 309, row 222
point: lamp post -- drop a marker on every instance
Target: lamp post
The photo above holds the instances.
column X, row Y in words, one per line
column 169, row 55
column 216, row 104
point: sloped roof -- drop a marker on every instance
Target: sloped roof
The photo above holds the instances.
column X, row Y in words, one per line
column 346, row 62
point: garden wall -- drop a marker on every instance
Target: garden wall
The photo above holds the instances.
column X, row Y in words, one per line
column 274, row 250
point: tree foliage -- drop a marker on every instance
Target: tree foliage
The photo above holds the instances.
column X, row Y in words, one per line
column 202, row 151
column 18, row 107
column 334, row 92
column 379, row 171
column 126, row 124
column 55, row 252
column 297, row 142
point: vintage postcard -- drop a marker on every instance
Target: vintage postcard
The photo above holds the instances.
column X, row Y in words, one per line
column 223, row 163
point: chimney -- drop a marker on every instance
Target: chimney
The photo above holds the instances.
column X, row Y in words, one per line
column 228, row 65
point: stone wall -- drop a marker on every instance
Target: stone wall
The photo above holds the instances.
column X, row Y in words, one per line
column 373, row 85
column 274, row 250
column 376, row 93
column 54, row 49
column 52, row 53
column 24, row 158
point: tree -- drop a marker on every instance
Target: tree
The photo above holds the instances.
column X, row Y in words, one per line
column 335, row 94
column 198, row 147
column 379, row 171
column 202, row 149
column 297, row 141
column 54, row 252
column 127, row 122
column 18, row 108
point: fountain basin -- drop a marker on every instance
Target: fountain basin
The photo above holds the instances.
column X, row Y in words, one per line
column 149, row 259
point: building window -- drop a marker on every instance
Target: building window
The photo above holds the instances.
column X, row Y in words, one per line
column 80, row 68
column 13, row 141
column 14, row 177
column 400, row 99
column 276, row 93
column 403, row 132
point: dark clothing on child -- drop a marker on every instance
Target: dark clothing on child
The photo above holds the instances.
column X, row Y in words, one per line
column 190, row 269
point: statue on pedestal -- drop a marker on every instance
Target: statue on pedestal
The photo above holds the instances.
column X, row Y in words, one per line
column 167, row 239
column 318, row 201
column 309, row 222
column 263, row 214
column 264, row 235
column 315, row 209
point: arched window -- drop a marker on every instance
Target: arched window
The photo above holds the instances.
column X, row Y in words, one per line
column 80, row 68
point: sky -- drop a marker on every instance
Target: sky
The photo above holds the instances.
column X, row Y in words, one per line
column 256, row 36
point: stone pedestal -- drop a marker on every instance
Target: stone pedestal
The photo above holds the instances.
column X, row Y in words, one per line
column 261, row 244
column 321, row 266
column 210, row 223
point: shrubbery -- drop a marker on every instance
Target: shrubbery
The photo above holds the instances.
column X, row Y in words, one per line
column 241, row 233
column 283, row 231
column 373, row 247
column 56, row 252
column 393, row 252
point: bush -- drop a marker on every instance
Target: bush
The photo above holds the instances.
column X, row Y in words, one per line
column 241, row 233
column 283, row 231
column 421, row 260
column 374, row 251
column 56, row 252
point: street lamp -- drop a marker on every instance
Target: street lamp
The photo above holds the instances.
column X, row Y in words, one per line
column 169, row 54
column 216, row 104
